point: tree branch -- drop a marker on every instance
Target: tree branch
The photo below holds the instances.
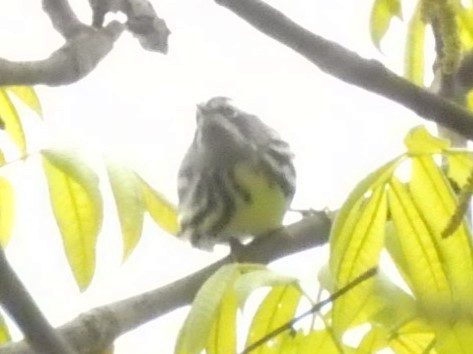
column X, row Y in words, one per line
column 20, row 305
column 350, row 67
column 64, row 20
column 85, row 45
column 95, row 330
column 77, row 58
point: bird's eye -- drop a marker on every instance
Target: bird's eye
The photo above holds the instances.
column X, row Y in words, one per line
column 228, row 111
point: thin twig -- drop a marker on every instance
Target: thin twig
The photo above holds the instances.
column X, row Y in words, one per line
column 288, row 325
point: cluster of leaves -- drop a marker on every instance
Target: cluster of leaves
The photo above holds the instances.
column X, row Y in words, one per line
column 453, row 18
column 76, row 197
column 407, row 218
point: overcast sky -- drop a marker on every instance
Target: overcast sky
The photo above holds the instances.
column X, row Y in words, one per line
column 140, row 106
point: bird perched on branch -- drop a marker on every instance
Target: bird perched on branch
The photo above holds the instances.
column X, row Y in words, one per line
column 237, row 178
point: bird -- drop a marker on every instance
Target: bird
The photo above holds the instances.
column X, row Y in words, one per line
column 236, row 180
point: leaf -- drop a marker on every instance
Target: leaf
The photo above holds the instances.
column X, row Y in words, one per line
column 419, row 141
column 421, row 258
column 459, row 166
column 413, row 337
column 27, row 95
column 222, row 339
column 414, row 53
column 126, row 188
column 454, row 338
column 360, row 253
column 436, row 202
column 348, row 215
column 382, row 12
column 77, row 205
column 194, row 334
column 163, row 212
column 323, row 340
column 4, row 332
column 277, row 308
column 7, row 211
column 377, row 338
column 251, row 281
column 10, row 118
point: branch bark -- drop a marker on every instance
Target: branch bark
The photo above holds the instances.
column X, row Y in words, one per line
column 95, row 330
column 16, row 300
column 85, row 45
column 350, row 67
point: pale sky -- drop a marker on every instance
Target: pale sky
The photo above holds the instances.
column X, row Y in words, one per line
column 140, row 107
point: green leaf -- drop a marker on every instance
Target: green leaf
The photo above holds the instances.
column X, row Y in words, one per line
column 419, row 141
column 77, row 206
column 27, row 95
column 278, row 307
column 126, row 188
column 13, row 126
column 163, row 212
column 7, row 211
column 194, row 334
column 382, row 12
column 414, row 55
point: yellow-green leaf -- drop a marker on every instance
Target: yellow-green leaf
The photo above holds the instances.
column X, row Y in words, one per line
column 7, row 211
column 459, row 166
column 382, row 12
column 454, row 338
column 323, row 340
column 163, row 212
column 77, row 206
column 347, row 217
column 222, row 338
column 413, row 337
column 423, row 264
column 194, row 334
column 360, row 253
column 13, row 126
column 251, row 281
column 4, row 332
column 414, row 55
column 376, row 339
column 27, row 95
column 436, row 202
column 126, row 188
column 419, row 141
column 277, row 309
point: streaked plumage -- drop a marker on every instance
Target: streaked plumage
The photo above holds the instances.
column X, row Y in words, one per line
column 237, row 178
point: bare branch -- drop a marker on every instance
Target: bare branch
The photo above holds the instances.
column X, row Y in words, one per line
column 63, row 18
column 350, row 67
column 16, row 300
column 143, row 21
column 77, row 58
column 96, row 330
